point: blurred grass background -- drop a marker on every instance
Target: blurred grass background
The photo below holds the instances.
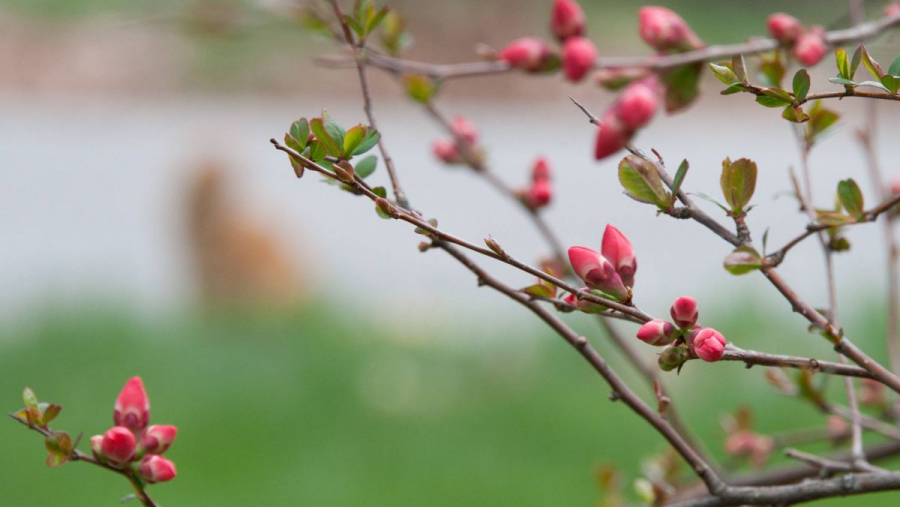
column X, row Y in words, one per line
column 317, row 407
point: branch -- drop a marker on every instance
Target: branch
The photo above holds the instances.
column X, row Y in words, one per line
column 752, row 358
column 76, row 455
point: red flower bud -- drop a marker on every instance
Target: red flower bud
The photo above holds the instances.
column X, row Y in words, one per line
column 583, row 304
column 784, row 28
column 445, row 151
column 892, row 9
column 684, row 312
column 611, row 136
column 597, row 272
column 118, row 445
column 810, row 47
column 465, row 129
column 528, row 53
column 578, row 58
column 539, row 194
column 155, row 468
column 664, row 30
column 158, row 438
column 708, row 344
column 132, row 408
column 540, row 170
column 657, row 332
column 97, row 446
column 618, row 250
column 567, row 19
column 638, row 103
column 895, row 183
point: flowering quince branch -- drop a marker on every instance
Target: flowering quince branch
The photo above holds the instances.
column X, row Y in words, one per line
column 132, row 448
column 607, row 275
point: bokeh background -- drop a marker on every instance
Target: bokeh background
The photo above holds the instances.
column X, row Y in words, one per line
column 308, row 353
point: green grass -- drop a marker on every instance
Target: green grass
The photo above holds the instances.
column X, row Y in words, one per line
column 318, row 408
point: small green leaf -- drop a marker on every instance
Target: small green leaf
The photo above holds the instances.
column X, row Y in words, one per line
column 742, row 260
column 352, row 139
column 854, row 61
column 29, row 398
column 739, row 67
column 894, row 69
column 367, row 143
column 767, row 101
column 765, row 240
column 539, row 290
column 366, row 166
column 801, row 84
column 641, row 181
column 780, row 94
column 870, row 64
column 772, row 69
column 50, row 413
column 841, row 81
column 300, row 132
column 821, row 119
column 724, row 74
column 891, row 83
column 682, row 85
column 707, row 197
column 679, row 177
column 59, row 445
column 334, row 130
column 794, row 114
column 419, row 88
column 875, row 84
column 376, row 20
column 843, row 64
column 324, row 137
column 734, row 88
column 738, row 182
column 851, row 197
column 833, row 218
column 357, row 29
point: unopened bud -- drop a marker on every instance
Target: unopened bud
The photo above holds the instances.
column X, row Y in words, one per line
column 657, row 332
column 784, row 28
column 618, row 250
column 578, row 58
column 708, row 344
column 664, row 30
column 567, row 19
column 597, row 272
column 540, row 170
column 611, row 136
column 895, row 183
column 118, row 445
column 445, row 151
column 155, row 468
column 97, row 446
column 464, row 128
column 638, row 103
column 528, row 53
column 684, row 312
column 385, row 206
column 892, row 9
column 539, row 194
column 158, row 438
column 494, row 246
column 810, row 47
column 583, row 304
column 672, row 358
column 132, row 407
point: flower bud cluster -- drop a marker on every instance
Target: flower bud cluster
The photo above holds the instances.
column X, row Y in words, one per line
column 807, row 45
column 684, row 337
column 611, row 270
column 539, row 193
column 633, row 109
column 133, row 442
column 450, row 151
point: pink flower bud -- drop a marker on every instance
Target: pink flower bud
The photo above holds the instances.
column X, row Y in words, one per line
column 638, row 103
column 583, row 304
column 838, row 428
column 611, row 136
column 810, row 47
column 618, row 250
column 464, row 128
column 158, row 438
column 539, row 194
column 597, row 272
column 664, row 30
column 567, row 19
column 684, row 312
column 118, row 445
column 657, row 332
column 132, row 408
column 540, row 170
column 528, row 53
column 155, row 468
column 784, row 28
column 445, row 151
column 895, row 183
column 578, row 58
column 97, row 446
column 708, row 344
column 892, row 9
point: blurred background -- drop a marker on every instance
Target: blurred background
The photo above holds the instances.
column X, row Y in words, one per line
column 308, row 353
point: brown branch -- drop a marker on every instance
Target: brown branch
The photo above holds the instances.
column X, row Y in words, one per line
column 754, row 358
column 76, row 455
column 829, row 466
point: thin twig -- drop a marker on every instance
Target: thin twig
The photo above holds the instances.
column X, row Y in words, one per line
column 754, row 358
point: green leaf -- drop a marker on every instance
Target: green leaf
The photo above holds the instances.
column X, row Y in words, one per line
column 641, row 181
column 682, row 85
column 366, row 166
column 821, row 119
column 876, row 84
column 724, row 74
column 739, row 67
column 801, row 84
column 833, row 218
column 843, row 64
column 738, row 182
column 854, row 62
column 324, row 137
column 351, row 22
column 780, row 94
column 300, row 132
column 851, row 197
column 50, row 413
column 894, row 69
column 767, row 101
column 317, row 151
column 59, row 445
column 334, row 130
column 419, row 88
column 376, row 20
column 870, row 64
column 707, row 197
column 540, row 290
column 29, row 398
column 891, row 83
column 794, row 114
column 367, row 143
column 352, row 139
column 679, row 177
column 742, row 260
column 841, row 81
column 772, row 69
column 734, row 88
